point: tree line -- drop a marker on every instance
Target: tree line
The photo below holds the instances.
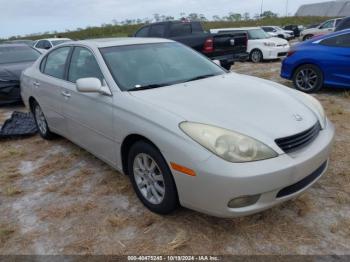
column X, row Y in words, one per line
column 129, row 26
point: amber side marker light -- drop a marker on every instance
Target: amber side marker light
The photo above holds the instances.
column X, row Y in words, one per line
column 183, row 169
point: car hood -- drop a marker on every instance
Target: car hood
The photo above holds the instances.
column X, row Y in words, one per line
column 12, row 71
column 245, row 104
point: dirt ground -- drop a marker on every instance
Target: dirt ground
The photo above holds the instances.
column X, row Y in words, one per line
column 56, row 198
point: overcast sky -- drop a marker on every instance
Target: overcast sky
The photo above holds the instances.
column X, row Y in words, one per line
column 18, row 17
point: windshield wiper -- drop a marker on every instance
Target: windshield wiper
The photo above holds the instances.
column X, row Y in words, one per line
column 151, row 86
column 200, row 77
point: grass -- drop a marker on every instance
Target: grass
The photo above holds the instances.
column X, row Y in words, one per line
column 342, row 227
column 5, row 233
column 12, row 191
column 65, row 211
column 337, row 111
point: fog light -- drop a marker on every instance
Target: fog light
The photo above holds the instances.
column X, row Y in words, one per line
column 243, row 201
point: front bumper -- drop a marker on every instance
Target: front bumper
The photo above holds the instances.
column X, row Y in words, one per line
column 276, row 52
column 218, row 181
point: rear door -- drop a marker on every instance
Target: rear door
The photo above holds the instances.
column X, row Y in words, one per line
column 337, row 59
column 48, row 87
column 89, row 115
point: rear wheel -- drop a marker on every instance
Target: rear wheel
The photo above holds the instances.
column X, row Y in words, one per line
column 307, row 37
column 308, row 78
column 41, row 122
column 151, row 178
column 256, row 56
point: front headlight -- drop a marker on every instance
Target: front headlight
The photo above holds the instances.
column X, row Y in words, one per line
column 317, row 108
column 228, row 145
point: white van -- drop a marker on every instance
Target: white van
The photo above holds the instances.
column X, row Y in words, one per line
column 261, row 46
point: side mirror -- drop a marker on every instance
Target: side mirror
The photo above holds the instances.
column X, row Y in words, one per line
column 89, row 85
column 92, row 85
column 217, row 62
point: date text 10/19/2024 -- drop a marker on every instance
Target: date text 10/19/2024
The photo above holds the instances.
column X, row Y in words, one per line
column 173, row 258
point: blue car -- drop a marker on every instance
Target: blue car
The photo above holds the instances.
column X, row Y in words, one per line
column 322, row 61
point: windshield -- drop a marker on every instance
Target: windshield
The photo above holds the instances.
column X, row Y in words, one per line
column 57, row 42
column 16, row 54
column 257, row 34
column 160, row 64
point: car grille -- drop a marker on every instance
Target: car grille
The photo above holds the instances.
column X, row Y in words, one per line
column 289, row 190
column 292, row 143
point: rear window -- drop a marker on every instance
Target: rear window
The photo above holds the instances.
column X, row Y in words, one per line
column 17, row 54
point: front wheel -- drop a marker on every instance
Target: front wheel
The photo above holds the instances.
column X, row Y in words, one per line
column 308, row 78
column 151, row 178
column 256, row 56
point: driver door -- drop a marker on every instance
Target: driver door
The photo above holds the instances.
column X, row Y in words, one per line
column 89, row 115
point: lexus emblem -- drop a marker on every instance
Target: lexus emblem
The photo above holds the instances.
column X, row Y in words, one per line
column 298, row 117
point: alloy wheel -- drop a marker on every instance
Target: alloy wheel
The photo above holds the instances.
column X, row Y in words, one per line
column 149, row 178
column 306, row 79
column 256, row 56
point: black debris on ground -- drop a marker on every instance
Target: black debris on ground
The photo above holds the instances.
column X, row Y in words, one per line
column 19, row 125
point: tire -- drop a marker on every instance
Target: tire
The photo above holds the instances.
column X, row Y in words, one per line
column 155, row 188
column 307, row 37
column 41, row 123
column 308, row 78
column 256, row 56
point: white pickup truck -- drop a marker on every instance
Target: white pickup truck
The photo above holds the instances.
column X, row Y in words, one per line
column 261, row 46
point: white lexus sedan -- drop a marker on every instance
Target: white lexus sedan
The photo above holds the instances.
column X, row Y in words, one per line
column 185, row 131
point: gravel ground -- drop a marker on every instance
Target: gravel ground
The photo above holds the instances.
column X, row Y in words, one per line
column 56, row 198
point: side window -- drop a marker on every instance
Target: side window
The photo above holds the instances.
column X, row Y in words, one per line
column 143, row 32
column 328, row 24
column 83, row 64
column 56, row 62
column 46, row 44
column 40, row 44
column 197, row 27
column 267, row 29
column 42, row 65
column 157, row 30
column 337, row 41
column 180, row 29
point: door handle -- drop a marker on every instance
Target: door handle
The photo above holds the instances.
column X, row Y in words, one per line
column 36, row 84
column 66, row 94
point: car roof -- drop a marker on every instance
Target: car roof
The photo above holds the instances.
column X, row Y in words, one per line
column 120, row 41
column 54, row 39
